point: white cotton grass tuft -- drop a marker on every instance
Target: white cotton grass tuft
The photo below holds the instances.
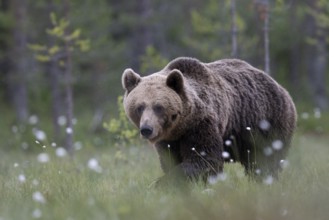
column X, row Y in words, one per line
column 212, row 180
column 225, row 154
column 14, row 129
column 25, row 145
column 219, row 177
column 61, row 152
column 36, row 213
column 228, row 142
column 61, row 120
column 35, row 182
column 39, row 134
column 33, row 120
column 94, row 165
column 69, row 130
column 268, row 151
column 305, row 115
column 77, row 145
column 21, row 178
column 284, row 164
column 264, row 125
column 317, row 113
column 268, row 180
column 43, row 158
column 277, row 145
column 38, row 197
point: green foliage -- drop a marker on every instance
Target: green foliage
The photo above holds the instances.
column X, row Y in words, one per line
column 152, row 60
column 211, row 31
column 194, row 28
column 83, row 45
column 122, row 130
column 6, row 23
column 205, row 24
column 320, row 13
column 59, row 26
column 61, row 34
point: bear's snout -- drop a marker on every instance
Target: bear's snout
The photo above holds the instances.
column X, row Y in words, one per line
column 146, row 131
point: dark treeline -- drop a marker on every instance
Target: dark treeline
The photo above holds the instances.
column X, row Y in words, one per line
column 289, row 38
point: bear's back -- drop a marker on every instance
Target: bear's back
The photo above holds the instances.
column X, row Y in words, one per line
column 191, row 68
column 196, row 70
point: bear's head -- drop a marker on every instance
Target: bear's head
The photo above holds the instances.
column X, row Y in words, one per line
column 154, row 103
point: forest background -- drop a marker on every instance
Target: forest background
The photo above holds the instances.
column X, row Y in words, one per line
column 61, row 61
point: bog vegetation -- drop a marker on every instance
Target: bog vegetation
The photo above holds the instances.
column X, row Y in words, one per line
column 111, row 179
column 67, row 150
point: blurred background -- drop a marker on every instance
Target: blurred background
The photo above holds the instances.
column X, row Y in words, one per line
column 61, row 60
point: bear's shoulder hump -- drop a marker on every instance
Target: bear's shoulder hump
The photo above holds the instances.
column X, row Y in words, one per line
column 189, row 67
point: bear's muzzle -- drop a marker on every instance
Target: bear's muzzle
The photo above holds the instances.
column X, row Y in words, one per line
column 146, row 131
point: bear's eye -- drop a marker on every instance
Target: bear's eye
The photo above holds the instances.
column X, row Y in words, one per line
column 158, row 109
column 140, row 109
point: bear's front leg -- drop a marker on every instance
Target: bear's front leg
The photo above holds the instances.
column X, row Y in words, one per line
column 199, row 166
column 169, row 154
column 201, row 157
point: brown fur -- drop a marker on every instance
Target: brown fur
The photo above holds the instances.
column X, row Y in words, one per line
column 194, row 107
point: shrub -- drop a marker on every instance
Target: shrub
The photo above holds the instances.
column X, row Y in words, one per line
column 124, row 133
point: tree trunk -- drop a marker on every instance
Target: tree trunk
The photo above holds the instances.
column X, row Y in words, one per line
column 318, row 75
column 18, row 76
column 267, row 37
column 97, row 122
column 234, row 30
column 143, row 34
column 262, row 7
column 54, row 75
column 68, row 87
column 318, row 60
column 5, row 59
column 295, row 55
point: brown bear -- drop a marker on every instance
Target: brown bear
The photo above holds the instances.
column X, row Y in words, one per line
column 199, row 115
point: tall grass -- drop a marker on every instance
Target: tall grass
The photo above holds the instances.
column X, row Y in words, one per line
column 74, row 189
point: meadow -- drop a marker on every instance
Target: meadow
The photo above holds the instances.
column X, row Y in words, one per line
column 114, row 183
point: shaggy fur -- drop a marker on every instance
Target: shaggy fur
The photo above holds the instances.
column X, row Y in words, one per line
column 201, row 114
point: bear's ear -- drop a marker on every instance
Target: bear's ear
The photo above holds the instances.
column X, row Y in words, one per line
column 130, row 79
column 175, row 80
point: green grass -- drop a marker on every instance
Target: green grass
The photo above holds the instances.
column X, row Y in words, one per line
column 71, row 190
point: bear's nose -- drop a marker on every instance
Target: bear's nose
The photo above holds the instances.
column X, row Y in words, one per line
column 146, row 131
